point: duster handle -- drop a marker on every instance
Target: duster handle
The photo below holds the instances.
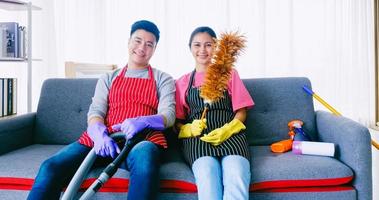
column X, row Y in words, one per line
column 204, row 112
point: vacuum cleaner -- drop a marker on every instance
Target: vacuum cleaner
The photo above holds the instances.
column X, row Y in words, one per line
column 107, row 173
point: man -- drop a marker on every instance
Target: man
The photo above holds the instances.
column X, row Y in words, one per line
column 136, row 99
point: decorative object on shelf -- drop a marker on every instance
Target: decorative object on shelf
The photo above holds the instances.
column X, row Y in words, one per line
column 86, row 70
column 12, row 40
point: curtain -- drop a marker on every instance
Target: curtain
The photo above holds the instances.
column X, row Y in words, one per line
column 328, row 41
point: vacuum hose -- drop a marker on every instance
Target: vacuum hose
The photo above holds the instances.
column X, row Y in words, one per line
column 107, row 173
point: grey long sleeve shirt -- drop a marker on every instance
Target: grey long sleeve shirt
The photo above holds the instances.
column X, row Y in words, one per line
column 165, row 89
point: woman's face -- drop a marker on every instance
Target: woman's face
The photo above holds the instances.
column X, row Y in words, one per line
column 202, row 48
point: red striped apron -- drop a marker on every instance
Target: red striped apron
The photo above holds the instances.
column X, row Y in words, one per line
column 130, row 97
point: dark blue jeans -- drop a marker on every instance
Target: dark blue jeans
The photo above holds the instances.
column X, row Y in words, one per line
column 56, row 172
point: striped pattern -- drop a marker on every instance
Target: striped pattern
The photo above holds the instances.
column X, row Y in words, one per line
column 128, row 98
column 219, row 113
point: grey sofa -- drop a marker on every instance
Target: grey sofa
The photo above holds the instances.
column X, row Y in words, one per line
column 27, row 140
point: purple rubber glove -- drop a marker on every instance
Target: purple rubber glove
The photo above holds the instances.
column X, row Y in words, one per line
column 104, row 145
column 132, row 126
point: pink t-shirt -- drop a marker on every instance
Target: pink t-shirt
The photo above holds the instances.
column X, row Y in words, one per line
column 236, row 89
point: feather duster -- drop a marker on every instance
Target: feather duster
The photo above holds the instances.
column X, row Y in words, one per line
column 217, row 75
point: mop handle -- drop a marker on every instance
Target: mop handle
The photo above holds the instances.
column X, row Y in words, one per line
column 334, row 111
column 319, row 99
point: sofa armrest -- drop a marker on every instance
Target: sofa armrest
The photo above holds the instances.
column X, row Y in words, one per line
column 353, row 147
column 16, row 132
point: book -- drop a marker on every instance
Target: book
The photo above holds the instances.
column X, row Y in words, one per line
column 14, row 96
column 5, row 97
column 22, row 41
column 1, row 97
column 10, row 96
column 3, row 41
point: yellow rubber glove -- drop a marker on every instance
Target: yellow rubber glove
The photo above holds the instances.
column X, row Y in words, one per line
column 192, row 129
column 219, row 135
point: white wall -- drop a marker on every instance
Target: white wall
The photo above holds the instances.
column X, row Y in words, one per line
column 327, row 41
column 330, row 42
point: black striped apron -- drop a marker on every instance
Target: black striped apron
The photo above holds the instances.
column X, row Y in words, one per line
column 219, row 113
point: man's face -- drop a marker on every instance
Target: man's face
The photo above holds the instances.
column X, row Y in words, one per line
column 141, row 47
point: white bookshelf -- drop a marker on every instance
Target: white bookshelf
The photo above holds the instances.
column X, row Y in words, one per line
column 15, row 5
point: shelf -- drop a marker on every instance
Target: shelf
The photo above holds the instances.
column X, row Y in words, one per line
column 16, row 5
column 11, row 59
column 9, row 116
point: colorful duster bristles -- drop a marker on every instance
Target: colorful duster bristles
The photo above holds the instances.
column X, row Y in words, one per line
column 217, row 76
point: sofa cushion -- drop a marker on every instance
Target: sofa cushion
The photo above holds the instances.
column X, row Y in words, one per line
column 25, row 161
column 278, row 101
column 176, row 176
column 62, row 110
column 270, row 170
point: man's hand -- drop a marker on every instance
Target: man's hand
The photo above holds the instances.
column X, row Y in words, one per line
column 104, row 145
column 131, row 126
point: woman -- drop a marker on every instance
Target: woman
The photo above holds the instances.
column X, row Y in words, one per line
column 215, row 147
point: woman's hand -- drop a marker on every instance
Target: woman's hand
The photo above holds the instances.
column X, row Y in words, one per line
column 192, row 129
column 219, row 135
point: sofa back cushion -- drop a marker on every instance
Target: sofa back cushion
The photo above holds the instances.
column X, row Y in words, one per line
column 62, row 110
column 63, row 105
column 278, row 101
